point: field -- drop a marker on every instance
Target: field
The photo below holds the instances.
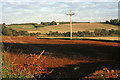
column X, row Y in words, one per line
column 22, row 27
column 67, row 58
column 65, row 27
column 89, row 38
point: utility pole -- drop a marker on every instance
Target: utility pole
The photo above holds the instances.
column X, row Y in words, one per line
column 70, row 24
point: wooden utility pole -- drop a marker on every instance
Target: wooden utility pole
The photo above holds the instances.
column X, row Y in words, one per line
column 70, row 24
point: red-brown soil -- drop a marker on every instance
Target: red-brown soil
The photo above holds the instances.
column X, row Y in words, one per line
column 34, row 40
column 64, row 55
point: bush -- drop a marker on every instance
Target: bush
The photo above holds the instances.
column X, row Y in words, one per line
column 96, row 33
column 9, row 71
column 5, row 30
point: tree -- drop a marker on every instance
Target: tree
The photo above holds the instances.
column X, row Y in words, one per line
column 103, row 32
column 53, row 23
column 3, row 25
column 92, row 34
column 113, row 21
column 80, row 34
column 45, row 23
column 86, row 33
column 23, row 33
column 116, row 21
column 5, row 30
column 50, row 32
column 14, row 32
column 97, row 32
column 107, row 21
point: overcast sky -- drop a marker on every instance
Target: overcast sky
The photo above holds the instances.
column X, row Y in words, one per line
column 29, row 11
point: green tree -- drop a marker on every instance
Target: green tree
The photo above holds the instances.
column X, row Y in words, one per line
column 107, row 21
column 104, row 32
column 23, row 33
column 5, row 30
column 113, row 21
column 97, row 32
column 53, row 23
column 50, row 32
column 80, row 34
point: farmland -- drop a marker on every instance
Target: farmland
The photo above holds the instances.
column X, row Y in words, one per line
column 64, row 27
column 21, row 27
column 90, row 38
column 57, row 40
column 67, row 58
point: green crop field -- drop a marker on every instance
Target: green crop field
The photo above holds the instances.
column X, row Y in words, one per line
column 65, row 27
column 19, row 27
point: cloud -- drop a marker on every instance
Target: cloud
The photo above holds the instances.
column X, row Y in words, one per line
column 19, row 12
column 61, row 1
column 0, row 13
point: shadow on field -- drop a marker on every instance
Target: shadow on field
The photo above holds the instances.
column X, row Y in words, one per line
column 67, row 50
column 117, row 41
column 84, row 69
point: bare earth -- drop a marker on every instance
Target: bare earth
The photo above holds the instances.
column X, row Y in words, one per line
column 34, row 40
column 64, row 55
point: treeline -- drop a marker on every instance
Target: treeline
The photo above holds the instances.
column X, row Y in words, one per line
column 49, row 23
column 113, row 22
column 10, row 32
column 24, row 24
column 96, row 33
column 42, row 24
column 45, row 24
column 36, row 25
column 72, row 22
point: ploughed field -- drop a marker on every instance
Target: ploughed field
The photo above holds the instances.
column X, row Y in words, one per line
column 66, row 58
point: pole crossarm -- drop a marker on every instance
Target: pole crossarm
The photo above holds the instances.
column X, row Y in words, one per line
column 70, row 14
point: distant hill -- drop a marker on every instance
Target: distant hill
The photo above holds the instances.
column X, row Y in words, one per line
column 64, row 27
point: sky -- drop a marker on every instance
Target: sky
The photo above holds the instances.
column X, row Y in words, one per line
column 32, row 11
